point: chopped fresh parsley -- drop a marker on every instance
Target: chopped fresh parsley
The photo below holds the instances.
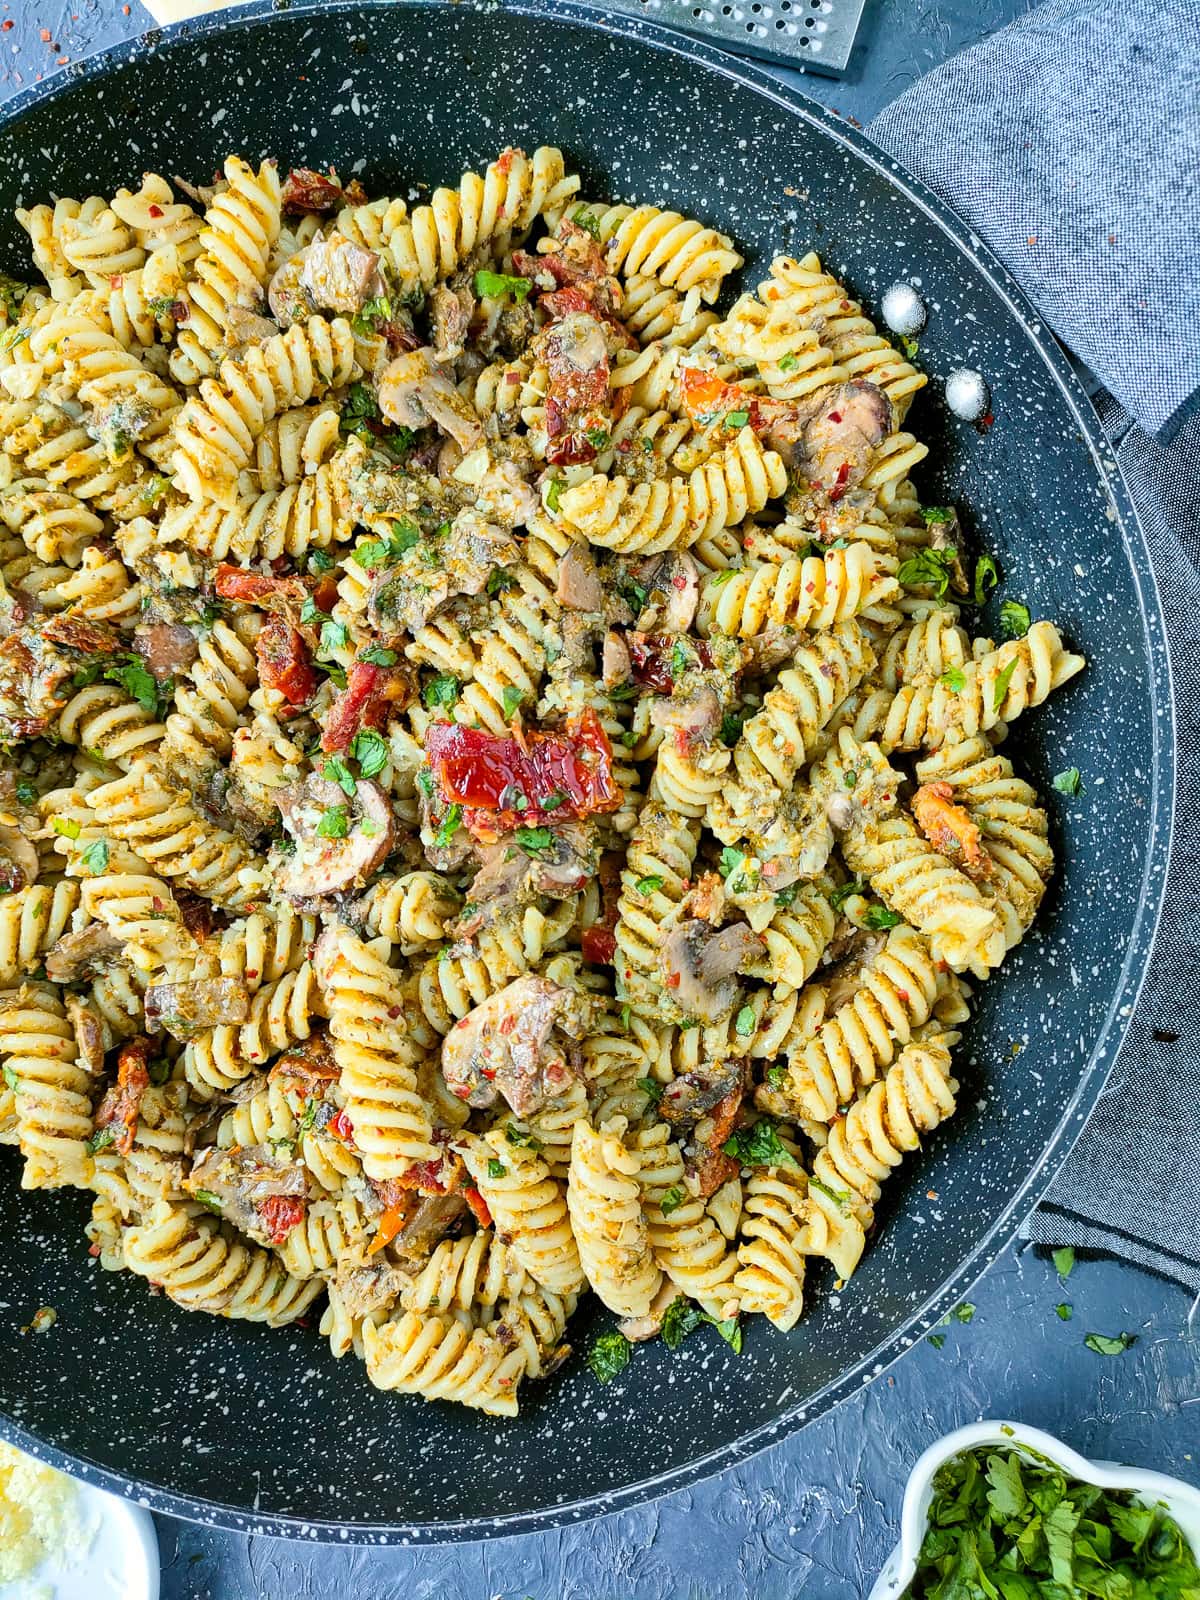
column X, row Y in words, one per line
column 598, row 438
column 1064, row 1312
column 731, row 727
column 788, row 363
column 1014, row 619
column 534, row 841
column 334, row 823
column 553, row 800
column 95, row 857
column 880, row 917
column 500, row 580
column 609, row 1356
column 426, row 784
column 496, row 1169
column 370, row 314
column 651, row 1088
column 776, row 1075
column 583, row 218
column 1068, row 781
column 441, row 691
column 745, row 1023
column 100, row 1140
column 374, row 553
column 787, row 897
column 376, row 655
column 449, row 826
column 137, row 681
column 1102, row 1345
column 1008, row 1527
column 492, row 285
column 736, row 419
column 931, row 569
column 624, row 691
column 964, row 1312
column 839, row 896
column 1003, row 680
column 334, row 636
column 955, row 679
column 361, row 403
column 1064, row 1261
column 311, row 612
column 371, row 752
column 672, row 1199
column 521, row 1137
column 338, row 772
column 987, row 576
column 511, row 700
column 650, row 884
column 319, row 561
column 207, row 1198
column 932, row 514
column 759, row 1146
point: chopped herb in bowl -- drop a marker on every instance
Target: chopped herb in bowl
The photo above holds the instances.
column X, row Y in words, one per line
column 1003, row 1525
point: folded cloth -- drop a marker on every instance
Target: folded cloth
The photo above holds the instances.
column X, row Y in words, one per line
column 1070, row 142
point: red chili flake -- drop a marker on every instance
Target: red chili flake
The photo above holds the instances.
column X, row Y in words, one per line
column 394, row 1012
column 839, row 487
column 280, row 1213
column 903, row 995
column 45, row 35
column 155, row 211
column 61, row 61
column 673, row 980
column 985, row 422
column 835, row 416
column 341, row 1127
column 93, row 1250
column 7, row 24
column 509, row 1023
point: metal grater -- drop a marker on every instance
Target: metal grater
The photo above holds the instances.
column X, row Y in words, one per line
column 815, row 34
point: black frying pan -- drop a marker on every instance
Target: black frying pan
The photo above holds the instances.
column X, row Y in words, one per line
column 260, row 1429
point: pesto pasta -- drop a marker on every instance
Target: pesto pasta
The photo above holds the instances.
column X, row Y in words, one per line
column 499, row 796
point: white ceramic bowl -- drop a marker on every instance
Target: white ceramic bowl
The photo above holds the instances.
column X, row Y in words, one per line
column 1180, row 1499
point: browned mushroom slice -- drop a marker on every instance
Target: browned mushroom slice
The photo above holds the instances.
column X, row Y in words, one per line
column 82, row 954
column 237, row 1182
column 700, row 963
column 672, row 584
column 832, row 442
column 340, row 839
column 167, row 648
column 339, row 275
column 414, row 392
column 507, row 1046
column 183, row 1009
column 579, row 584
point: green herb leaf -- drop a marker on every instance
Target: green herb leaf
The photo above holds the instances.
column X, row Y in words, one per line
column 534, row 841
column 788, row 363
column 731, row 727
column 511, row 700
column 207, row 1198
column 405, row 535
column 492, row 285
column 672, row 1199
column 731, row 1332
column 554, row 490
column 65, row 827
column 1002, row 682
column 319, row 561
column 932, row 514
column 787, row 897
column 745, row 1023
column 376, row 655
column 880, row 917
column 449, row 826
column 1064, row 1261
column 441, row 691
column 371, row 752
column 1068, row 781
column 964, row 1312
column 736, row 419
column 776, row 1074
column 95, row 857
column 651, row 1088
column 371, row 312
column 954, row 678
column 680, row 1318
column 937, row 1340
column 931, row 569
column 987, row 576
column 521, row 1137
column 730, row 860
column 1064, row 1311
column 336, row 770
column 1105, row 1346
column 360, row 403
column 100, row 1140
column 1014, row 619
column 585, row 219
column 759, row 1146
column 500, row 580
column 26, row 792
column 134, row 678
column 609, row 1356
column 334, row 823
column 650, row 884
column 496, row 1169
column 842, row 893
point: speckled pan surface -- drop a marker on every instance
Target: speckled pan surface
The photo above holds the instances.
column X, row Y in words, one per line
column 262, row 1430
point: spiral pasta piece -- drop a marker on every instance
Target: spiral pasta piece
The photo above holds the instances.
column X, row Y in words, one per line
column 686, row 1243
column 770, row 1251
column 604, row 1204
column 528, row 1207
column 444, row 1358
column 51, row 1091
column 864, row 1146
column 31, row 921
column 197, row 1266
column 463, row 1273
column 648, row 517
column 811, row 593
column 680, row 253
column 661, row 853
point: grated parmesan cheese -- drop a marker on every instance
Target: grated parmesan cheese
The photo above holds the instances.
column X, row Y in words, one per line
column 39, row 1516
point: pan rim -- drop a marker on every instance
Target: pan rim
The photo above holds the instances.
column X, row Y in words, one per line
column 1160, row 819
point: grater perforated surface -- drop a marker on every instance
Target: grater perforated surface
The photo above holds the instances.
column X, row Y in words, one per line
column 815, row 34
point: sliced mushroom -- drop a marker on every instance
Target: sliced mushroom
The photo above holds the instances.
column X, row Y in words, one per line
column 183, row 1009
column 415, row 392
column 832, row 442
column 578, row 581
column 616, row 666
column 450, row 317
column 88, row 1027
column 672, row 583
column 167, row 648
column 322, row 865
column 339, row 275
column 365, row 1286
column 699, row 964
column 687, row 1097
column 19, row 865
column 506, row 1046
column 83, row 954
column 241, row 1178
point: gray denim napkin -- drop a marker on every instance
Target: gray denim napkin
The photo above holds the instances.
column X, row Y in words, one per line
column 1070, row 141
